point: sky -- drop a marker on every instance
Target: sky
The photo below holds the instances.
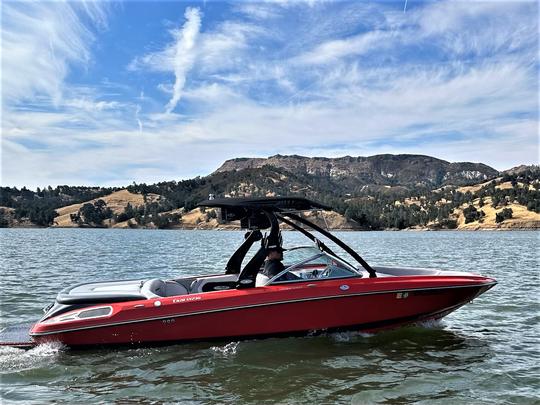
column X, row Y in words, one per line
column 108, row 93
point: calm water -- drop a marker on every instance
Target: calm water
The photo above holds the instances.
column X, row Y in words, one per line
column 486, row 352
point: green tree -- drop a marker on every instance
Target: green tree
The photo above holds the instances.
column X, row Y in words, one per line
column 94, row 214
column 506, row 213
column 472, row 214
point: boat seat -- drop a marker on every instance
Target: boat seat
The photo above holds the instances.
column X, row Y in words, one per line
column 156, row 287
column 227, row 281
column 99, row 292
column 119, row 291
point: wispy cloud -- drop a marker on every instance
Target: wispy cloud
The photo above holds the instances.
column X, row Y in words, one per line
column 40, row 40
column 335, row 50
column 225, row 48
column 138, row 119
column 457, row 80
column 258, row 10
column 183, row 53
column 178, row 57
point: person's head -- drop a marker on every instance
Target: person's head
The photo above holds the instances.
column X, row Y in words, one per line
column 275, row 253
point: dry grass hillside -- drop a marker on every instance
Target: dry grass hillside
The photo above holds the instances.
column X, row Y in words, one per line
column 521, row 217
column 331, row 220
column 476, row 187
column 116, row 201
column 198, row 219
column 501, row 186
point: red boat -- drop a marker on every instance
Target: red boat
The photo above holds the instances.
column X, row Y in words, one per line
column 317, row 290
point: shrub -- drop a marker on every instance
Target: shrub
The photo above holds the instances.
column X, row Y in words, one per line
column 472, row 214
column 506, row 213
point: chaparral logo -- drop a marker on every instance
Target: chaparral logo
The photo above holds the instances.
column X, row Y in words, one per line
column 187, row 299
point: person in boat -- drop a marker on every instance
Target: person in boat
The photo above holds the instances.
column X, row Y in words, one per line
column 273, row 264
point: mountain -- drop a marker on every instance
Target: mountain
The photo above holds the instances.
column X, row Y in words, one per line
column 391, row 170
column 377, row 192
column 522, row 169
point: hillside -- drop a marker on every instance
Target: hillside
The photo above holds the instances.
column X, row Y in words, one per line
column 117, row 202
column 521, row 217
column 378, row 192
column 375, row 170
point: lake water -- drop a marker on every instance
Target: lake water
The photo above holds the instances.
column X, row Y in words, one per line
column 486, row 352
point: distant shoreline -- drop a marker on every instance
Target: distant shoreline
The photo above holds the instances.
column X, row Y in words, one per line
column 285, row 229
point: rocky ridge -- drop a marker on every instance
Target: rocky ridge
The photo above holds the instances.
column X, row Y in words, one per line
column 379, row 169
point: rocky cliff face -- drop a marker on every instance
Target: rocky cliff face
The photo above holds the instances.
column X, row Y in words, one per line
column 378, row 169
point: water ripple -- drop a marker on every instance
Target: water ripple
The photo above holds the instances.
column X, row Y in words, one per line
column 486, row 352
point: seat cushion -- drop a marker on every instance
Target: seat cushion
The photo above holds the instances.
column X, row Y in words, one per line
column 197, row 285
column 153, row 288
column 172, row 288
column 104, row 291
column 158, row 288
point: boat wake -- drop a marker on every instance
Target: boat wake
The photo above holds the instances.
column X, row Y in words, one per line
column 349, row 336
column 13, row 359
column 343, row 337
column 431, row 324
column 229, row 349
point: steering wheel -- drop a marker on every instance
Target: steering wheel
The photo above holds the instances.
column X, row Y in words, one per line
column 326, row 272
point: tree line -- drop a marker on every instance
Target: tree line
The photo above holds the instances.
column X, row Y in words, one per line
column 39, row 206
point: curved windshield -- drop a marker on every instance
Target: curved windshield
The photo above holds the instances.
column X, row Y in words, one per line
column 299, row 253
column 316, row 266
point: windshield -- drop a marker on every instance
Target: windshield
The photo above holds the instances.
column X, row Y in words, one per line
column 312, row 265
column 299, row 253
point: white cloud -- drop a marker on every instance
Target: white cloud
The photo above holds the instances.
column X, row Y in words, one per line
column 89, row 105
column 213, row 94
column 334, row 50
column 263, row 86
column 138, row 119
column 460, row 29
column 177, row 57
column 259, row 10
column 222, row 48
column 226, row 46
column 183, row 53
column 39, row 42
column 480, row 27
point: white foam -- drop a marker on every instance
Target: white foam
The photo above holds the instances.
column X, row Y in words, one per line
column 350, row 335
column 13, row 359
column 431, row 324
column 229, row 349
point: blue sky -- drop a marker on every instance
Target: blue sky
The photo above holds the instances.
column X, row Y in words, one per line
column 107, row 93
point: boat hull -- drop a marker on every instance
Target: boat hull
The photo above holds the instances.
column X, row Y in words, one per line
column 267, row 311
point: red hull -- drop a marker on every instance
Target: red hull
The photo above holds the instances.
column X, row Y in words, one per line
column 359, row 304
